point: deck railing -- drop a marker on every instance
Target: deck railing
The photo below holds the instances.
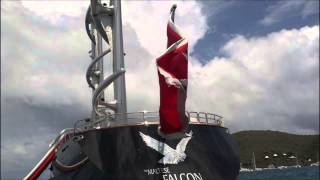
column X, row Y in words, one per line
column 142, row 118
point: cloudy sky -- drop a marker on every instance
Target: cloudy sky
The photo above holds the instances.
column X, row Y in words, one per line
column 253, row 62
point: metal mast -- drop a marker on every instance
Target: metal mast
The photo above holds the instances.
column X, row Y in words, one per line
column 253, row 161
column 118, row 56
column 104, row 27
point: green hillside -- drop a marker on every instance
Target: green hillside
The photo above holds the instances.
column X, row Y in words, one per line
column 268, row 143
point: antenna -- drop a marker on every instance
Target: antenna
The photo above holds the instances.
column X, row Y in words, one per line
column 104, row 27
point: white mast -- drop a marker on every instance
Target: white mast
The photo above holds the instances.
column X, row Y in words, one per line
column 253, row 161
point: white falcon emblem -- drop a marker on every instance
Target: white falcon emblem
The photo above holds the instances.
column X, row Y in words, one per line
column 171, row 156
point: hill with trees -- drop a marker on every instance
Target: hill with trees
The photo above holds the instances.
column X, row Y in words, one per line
column 276, row 148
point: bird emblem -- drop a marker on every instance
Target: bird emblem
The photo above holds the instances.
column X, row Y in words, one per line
column 171, row 156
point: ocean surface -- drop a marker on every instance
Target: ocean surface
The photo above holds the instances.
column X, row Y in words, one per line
column 303, row 173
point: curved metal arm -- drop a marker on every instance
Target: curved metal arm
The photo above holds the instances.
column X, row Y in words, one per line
column 62, row 134
column 103, row 17
column 103, row 86
column 64, row 167
column 172, row 11
column 96, row 10
column 89, row 21
column 89, row 72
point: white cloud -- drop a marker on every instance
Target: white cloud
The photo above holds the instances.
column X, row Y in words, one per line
column 284, row 9
column 19, row 150
column 258, row 65
column 264, row 82
column 149, row 20
column 43, row 63
column 20, row 155
column 248, row 75
column 144, row 16
column 56, row 11
column 65, row 50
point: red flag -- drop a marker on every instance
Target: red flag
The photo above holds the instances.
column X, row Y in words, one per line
column 173, row 79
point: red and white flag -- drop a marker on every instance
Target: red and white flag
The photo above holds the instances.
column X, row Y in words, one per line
column 173, row 79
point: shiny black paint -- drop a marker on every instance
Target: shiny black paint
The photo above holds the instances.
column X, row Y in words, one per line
column 119, row 153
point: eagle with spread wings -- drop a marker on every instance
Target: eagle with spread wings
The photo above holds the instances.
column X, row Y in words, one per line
column 171, row 156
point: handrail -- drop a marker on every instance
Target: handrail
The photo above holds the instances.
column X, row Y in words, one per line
column 143, row 117
column 47, row 158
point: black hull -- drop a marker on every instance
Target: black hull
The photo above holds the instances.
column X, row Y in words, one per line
column 120, row 153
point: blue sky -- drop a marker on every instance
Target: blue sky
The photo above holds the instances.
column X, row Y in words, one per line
column 256, row 63
column 245, row 18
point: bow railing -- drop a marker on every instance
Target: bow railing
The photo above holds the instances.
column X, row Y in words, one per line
column 143, row 118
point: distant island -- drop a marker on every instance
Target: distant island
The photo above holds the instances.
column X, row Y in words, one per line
column 273, row 148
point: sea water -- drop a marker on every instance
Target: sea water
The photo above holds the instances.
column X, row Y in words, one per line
column 303, row 173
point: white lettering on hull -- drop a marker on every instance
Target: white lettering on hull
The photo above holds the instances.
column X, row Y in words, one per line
column 182, row 176
column 157, row 171
column 167, row 175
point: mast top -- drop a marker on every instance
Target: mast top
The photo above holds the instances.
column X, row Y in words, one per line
column 172, row 11
column 103, row 22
